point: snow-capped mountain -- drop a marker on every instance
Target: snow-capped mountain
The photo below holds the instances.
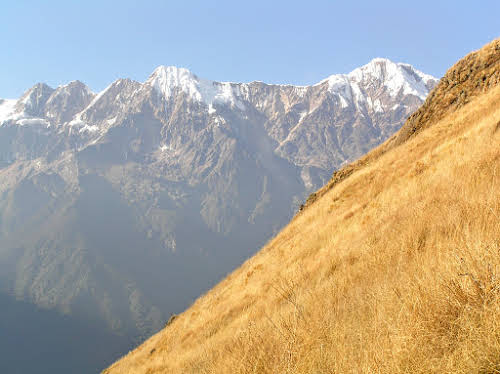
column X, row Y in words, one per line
column 125, row 205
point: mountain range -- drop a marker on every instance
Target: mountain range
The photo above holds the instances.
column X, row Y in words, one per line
column 122, row 207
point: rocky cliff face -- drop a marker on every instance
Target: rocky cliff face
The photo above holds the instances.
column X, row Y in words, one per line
column 123, row 206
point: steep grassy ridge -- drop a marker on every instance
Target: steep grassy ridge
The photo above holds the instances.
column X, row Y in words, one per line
column 394, row 268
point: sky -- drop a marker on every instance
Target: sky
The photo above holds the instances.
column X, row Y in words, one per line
column 295, row 42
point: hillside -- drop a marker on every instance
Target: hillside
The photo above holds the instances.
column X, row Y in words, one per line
column 392, row 267
column 43, row 341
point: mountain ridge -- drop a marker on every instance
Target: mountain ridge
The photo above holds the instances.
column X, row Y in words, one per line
column 127, row 204
column 173, row 74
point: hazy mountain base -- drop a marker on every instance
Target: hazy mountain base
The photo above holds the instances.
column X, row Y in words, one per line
column 39, row 341
column 89, row 255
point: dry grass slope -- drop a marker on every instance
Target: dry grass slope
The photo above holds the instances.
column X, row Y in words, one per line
column 393, row 269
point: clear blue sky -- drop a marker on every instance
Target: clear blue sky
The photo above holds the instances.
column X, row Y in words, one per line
column 299, row 42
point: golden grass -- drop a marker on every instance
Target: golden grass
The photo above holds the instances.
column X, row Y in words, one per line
column 394, row 270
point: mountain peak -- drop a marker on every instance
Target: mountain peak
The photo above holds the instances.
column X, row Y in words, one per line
column 75, row 84
column 380, row 60
column 175, row 75
column 173, row 71
column 377, row 76
column 39, row 88
column 396, row 77
column 166, row 79
column 34, row 99
column 169, row 79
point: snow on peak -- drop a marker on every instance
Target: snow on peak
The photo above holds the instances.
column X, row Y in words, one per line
column 168, row 79
column 374, row 69
column 394, row 76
